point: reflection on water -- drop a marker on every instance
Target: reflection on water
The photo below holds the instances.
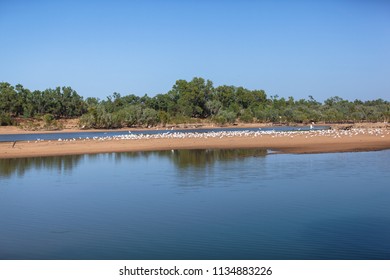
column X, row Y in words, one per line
column 181, row 158
column 202, row 158
column 200, row 204
column 19, row 166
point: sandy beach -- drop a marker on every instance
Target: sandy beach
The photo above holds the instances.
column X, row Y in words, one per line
column 357, row 139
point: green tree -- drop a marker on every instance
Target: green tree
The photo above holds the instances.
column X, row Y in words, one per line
column 149, row 117
column 8, row 99
column 193, row 97
column 225, row 95
column 246, row 116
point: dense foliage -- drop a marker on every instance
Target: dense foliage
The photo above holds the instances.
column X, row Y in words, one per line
column 56, row 103
column 186, row 100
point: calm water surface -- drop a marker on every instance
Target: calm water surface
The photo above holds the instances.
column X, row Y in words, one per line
column 201, row 204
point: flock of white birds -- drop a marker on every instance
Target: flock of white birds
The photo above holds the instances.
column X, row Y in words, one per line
column 379, row 132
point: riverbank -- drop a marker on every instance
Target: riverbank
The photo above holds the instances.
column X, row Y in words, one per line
column 71, row 125
column 352, row 140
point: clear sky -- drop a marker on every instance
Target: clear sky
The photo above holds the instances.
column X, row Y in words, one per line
column 287, row 48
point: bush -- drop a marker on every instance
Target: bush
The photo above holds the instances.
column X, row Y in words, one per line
column 149, row 117
column 50, row 123
column 224, row 117
column 246, row 116
column 220, row 119
column 130, row 116
column 48, row 119
column 164, row 117
column 104, row 120
column 99, row 118
column 5, row 119
column 179, row 119
column 87, row 121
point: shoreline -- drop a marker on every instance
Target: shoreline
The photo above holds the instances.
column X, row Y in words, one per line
column 330, row 141
column 71, row 127
column 17, row 130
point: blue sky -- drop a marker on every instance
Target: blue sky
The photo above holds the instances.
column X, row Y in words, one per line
column 287, row 48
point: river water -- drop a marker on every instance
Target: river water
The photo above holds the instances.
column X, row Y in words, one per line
column 199, row 204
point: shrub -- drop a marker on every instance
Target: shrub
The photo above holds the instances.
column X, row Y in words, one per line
column 224, row 117
column 164, row 117
column 87, row 121
column 130, row 116
column 48, row 119
column 5, row 119
column 149, row 117
column 246, row 116
column 50, row 123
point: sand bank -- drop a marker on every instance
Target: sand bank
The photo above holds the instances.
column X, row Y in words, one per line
column 285, row 142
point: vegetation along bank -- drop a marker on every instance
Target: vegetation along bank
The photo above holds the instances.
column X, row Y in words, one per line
column 186, row 102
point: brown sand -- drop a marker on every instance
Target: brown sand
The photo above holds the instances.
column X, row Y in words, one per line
column 296, row 143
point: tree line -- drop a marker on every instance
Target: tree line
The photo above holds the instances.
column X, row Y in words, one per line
column 186, row 102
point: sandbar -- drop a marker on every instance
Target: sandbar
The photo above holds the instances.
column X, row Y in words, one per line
column 353, row 140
